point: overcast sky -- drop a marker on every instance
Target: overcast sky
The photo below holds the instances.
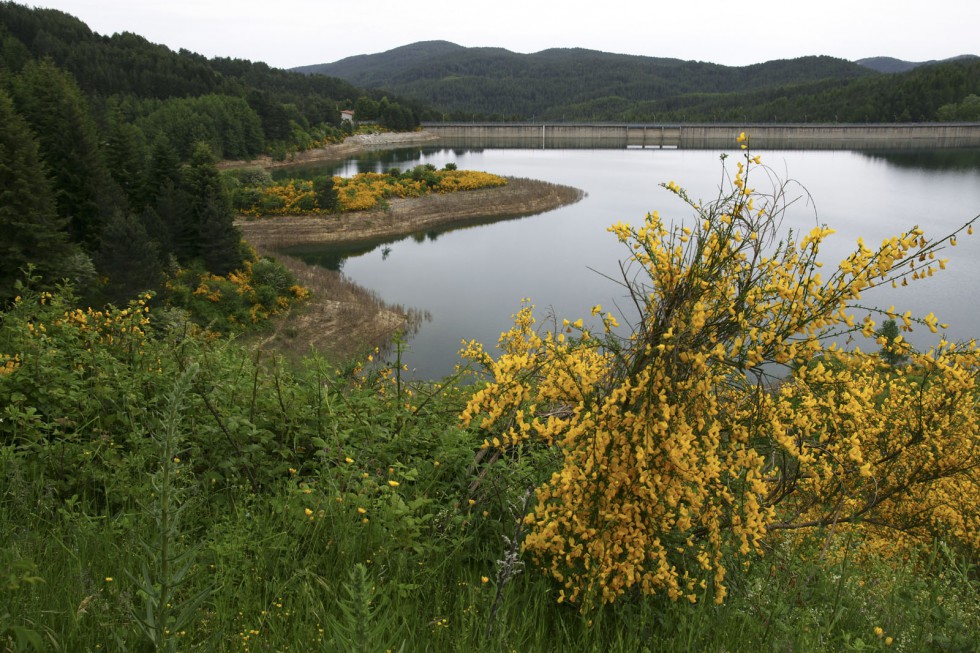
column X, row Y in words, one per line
column 287, row 33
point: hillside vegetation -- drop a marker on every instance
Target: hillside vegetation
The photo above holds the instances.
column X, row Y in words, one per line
column 108, row 151
column 714, row 478
column 577, row 84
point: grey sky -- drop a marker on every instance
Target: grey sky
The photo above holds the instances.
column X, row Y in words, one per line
column 287, row 33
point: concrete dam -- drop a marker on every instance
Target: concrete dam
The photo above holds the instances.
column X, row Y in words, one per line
column 762, row 136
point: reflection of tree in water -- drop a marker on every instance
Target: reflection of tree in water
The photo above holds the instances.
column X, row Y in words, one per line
column 370, row 161
column 431, row 236
column 967, row 158
column 414, row 319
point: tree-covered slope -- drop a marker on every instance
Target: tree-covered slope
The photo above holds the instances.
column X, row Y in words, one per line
column 126, row 64
column 578, row 84
column 494, row 80
column 107, row 155
column 893, row 65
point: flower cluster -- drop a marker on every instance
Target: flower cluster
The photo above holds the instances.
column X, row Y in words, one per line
column 9, row 363
column 680, row 446
column 364, row 190
column 259, row 290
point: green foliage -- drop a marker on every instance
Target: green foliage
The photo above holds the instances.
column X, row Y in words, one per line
column 33, row 233
column 238, row 106
column 168, row 564
column 324, row 193
column 52, row 104
column 206, row 230
column 890, row 351
column 967, row 110
column 129, row 258
column 565, row 85
column 327, row 508
column 227, row 124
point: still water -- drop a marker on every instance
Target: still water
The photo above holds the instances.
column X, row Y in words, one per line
column 470, row 281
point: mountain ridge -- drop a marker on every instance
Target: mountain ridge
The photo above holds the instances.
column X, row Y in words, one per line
column 495, row 80
column 562, row 84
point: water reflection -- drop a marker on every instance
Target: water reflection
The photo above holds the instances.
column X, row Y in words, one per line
column 951, row 159
column 368, row 161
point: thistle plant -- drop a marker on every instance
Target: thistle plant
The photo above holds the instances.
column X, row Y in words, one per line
column 361, row 624
column 164, row 586
column 510, row 565
column 728, row 412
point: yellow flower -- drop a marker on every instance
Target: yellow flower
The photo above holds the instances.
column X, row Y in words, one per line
column 484, row 579
column 361, row 510
column 308, row 512
column 393, row 483
column 878, row 631
column 108, row 579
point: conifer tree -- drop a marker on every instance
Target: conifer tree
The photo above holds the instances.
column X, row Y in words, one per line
column 126, row 157
column 32, row 231
column 52, row 104
column 129, row 258
column 206, row 230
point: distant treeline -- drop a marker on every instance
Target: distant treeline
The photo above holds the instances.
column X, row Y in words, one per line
column 574, row 84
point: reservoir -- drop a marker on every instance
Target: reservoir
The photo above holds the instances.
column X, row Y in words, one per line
column 469, row 281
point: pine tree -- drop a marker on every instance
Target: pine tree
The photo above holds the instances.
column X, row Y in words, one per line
column 206, row 229
column 126, row 157
column 128, row 258
column 52, row 104
column 32, row 231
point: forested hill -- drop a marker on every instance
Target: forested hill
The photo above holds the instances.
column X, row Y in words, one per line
column 578, row 84
column 893, row 65
column 143, row 76
column 108, row 148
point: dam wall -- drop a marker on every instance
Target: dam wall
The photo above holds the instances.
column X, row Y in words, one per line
column 762, row 136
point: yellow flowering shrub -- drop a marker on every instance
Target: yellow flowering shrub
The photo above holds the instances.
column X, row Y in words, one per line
column 260, row 289
column 725, row 415
column 9, row 363
column 366, row 190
